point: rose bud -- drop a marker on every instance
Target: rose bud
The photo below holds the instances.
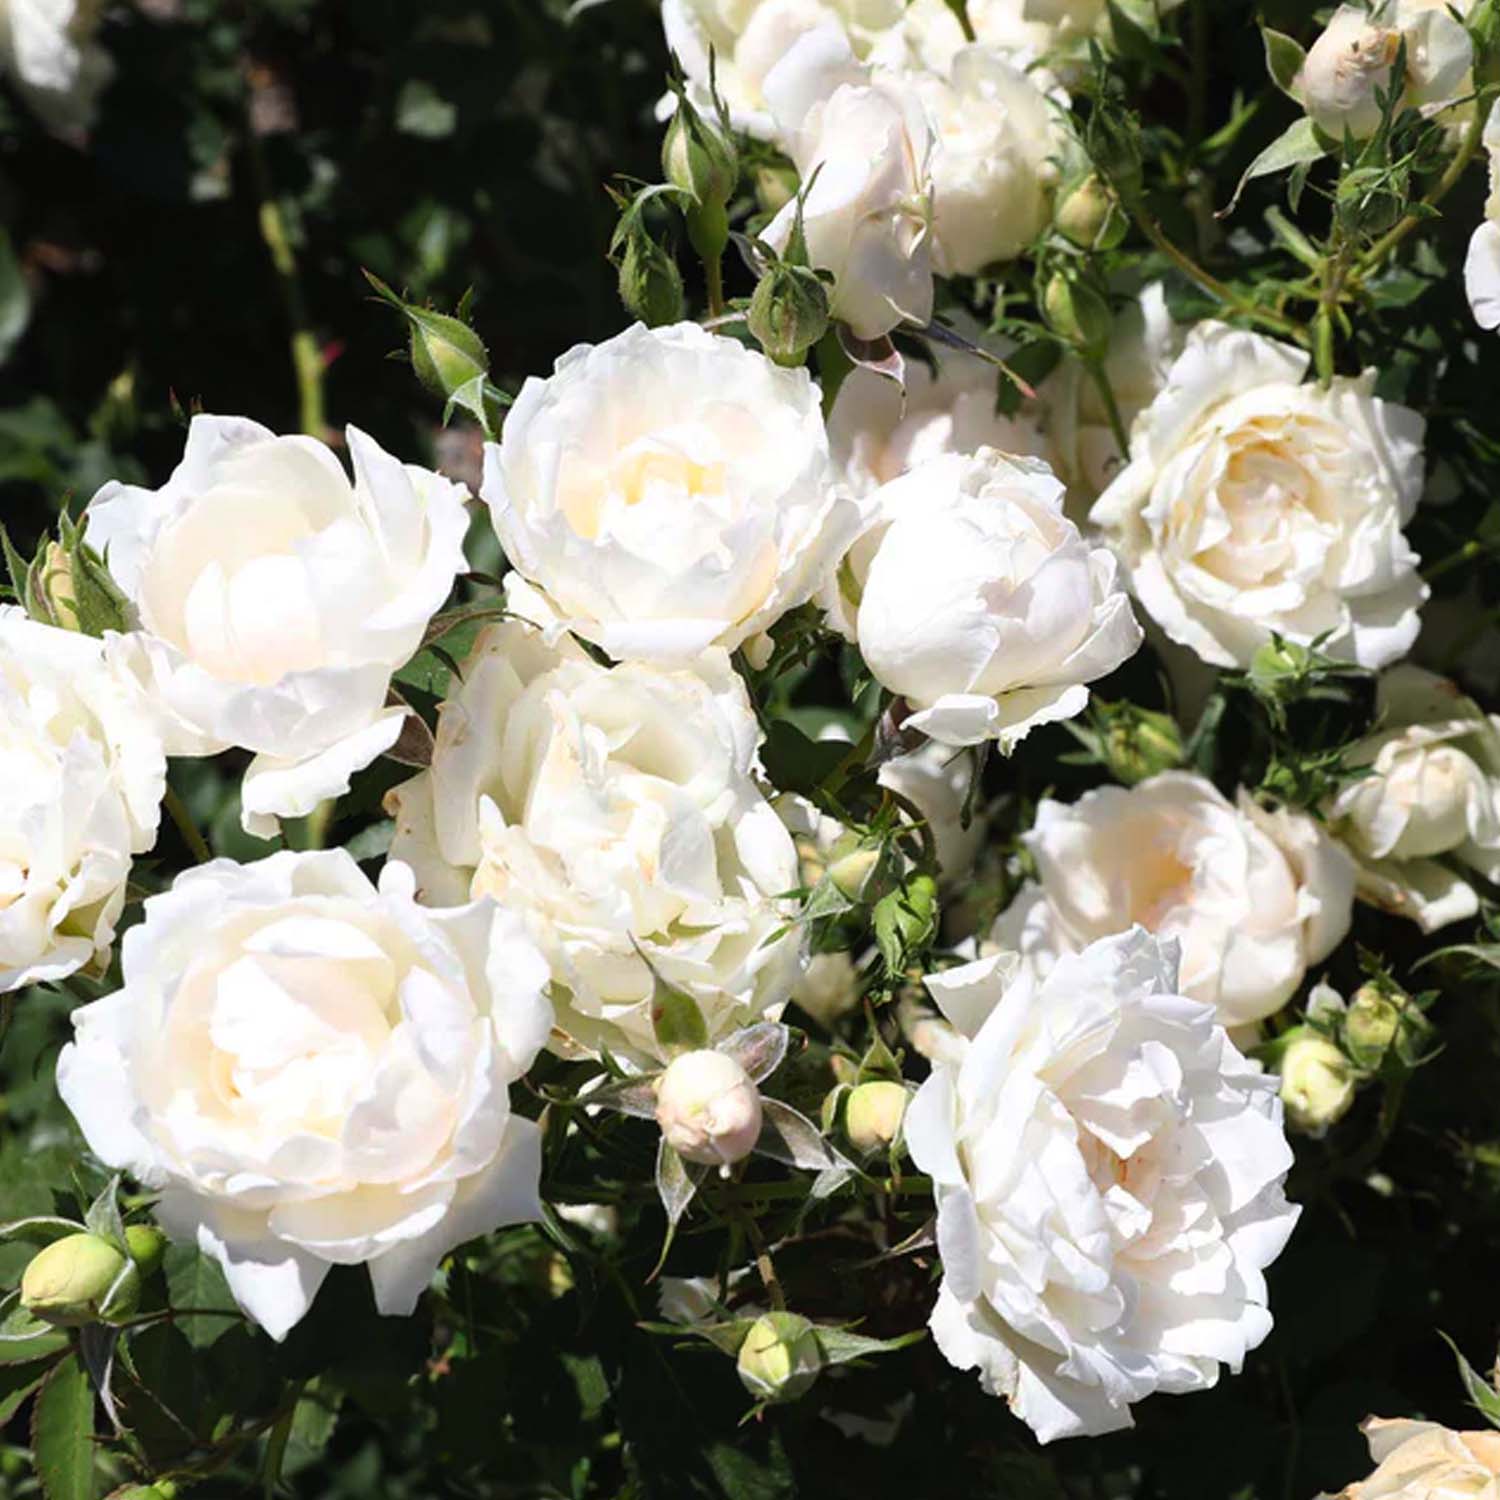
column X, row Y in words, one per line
column 873, row 1115
column 780, row 1357
column 708, row 1108
column 1317, row 1084
column 67, row 1284
column 1344, row 70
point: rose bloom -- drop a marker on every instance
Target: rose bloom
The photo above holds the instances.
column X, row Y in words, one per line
column 1350, row 64
column 747, row 39
column 665, row 491
column 1253, row 897
column 618, row 810
column 992, row 168
column 1423, row 1461
column 313, row 1072
column 867, row 215
column 976, row 599
column 1482, row 264
column 1108, row 1173
column 1430, row 802
column 275, row 600
column 47, row 48
column 1255, row 503
column 1080, row 443
column 877, row 430
column 81, row 781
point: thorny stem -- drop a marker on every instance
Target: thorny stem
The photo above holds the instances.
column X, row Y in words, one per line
column 763, row 1261
column 177, row 811
column 1445, row 185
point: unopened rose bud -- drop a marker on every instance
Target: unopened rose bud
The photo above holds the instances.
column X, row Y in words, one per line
column 1317, row 1083
column 780, row 1358
column 446, row 353
column 1078, row 313
column 1089, row 215
column 853, row 872
column 788, row 312
column 699, row 157
column 147, row 1245
column 650, row 283
column 54, row 581
column 829, row 989
column 873, row 1115
column 1344, row 71
column 1140, row 743
column 1371, row 1024
column 708, row 1108
column 67, row 1284
column 776, row 184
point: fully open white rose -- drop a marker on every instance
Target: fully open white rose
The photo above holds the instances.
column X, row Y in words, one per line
column 1254, row 503
column 977, row 600
column 1352, row 60
column 877, row 430
column 1081, row 444
column 867, row 215
column 275, row 599
column 1253, row 897
column 48, row 49
column 992, row 167
column 618, row 809
column 81, row 781
column 1482, row 264
column 313, row 1072
column 1429, row 809
column 1108, row 1172
column 666, row 491
column 1423, row 1461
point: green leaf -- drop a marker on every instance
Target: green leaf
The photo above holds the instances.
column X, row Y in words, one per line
column 1482, row 1394
column 17, row 1382
column 1299, row 143
column 1284, row 59
column 839, row 1345
column 796, row 763
column 1131, row 39
column 62, row 1434
column 675, row 1017
column 195, row 1280
column 23, row 1336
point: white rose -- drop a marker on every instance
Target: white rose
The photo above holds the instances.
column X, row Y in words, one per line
column 1482, row 264
column 48, row 49
column 867, row 215
column 1430, row 803
column 618, row 810
column 1423, row 1461
column 877, row 430
column 81, row 781
column 977, row 600
column 275, row 600
column 708, row 1108
column 829, row 989
column 1108, row 1173
column 992, row 168
column 665, row 491
column 313, row 1072
column 1252, row 897
column 1255, row 503
column 1081, row 444
column 749, row 39
column 1351, row 62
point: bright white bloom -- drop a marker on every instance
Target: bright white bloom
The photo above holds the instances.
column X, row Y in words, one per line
column 992, row 160
column 313, row 1072
column 81, row 781
column 275, row 600
column 618, row 810
column 1108, row 1172
column 48, row 49
column 1081, row 444
column 1252, row 897
column 1431, row 801
column 1255, row 503
column 1351, row 63
column 977, row 600
column 1423, row 1461
column 708, row 1108
column 1482, row 265
column 867, row 215
column 748, row 39
column 877, row 431
column 665, row 491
